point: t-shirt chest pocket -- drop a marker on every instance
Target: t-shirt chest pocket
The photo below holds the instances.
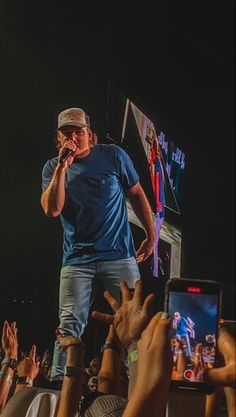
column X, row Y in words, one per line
column 108, row 186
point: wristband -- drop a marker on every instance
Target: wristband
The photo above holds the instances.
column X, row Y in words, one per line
column 5, row 375
column 11, row 362
column 72, row 371
column 132, row 357
column 24, row 380
column 110, row 345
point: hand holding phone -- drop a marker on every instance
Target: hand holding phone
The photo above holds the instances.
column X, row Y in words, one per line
column 195, row 308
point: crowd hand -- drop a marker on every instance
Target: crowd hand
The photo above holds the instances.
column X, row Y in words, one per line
column 9, row 340
column 224, row 376
column 145, row 250
column 29, row 366
column 155, row 357
column 131, row 316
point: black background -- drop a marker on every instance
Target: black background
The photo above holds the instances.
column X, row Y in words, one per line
column 177, row 59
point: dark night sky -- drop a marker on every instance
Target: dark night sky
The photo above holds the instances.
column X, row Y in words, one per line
column 178, row 61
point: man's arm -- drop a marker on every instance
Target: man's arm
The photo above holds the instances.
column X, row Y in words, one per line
column 53, row 198
column 143, row 211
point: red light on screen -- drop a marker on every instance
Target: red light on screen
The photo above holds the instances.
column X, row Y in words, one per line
column 197, row 290
column 188, row 374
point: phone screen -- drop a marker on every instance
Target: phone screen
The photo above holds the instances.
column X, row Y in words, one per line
column 195, row 315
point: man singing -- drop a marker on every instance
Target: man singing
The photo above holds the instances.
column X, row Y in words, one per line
column 86, row 186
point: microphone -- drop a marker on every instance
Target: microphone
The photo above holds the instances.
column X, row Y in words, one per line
column 65, row 155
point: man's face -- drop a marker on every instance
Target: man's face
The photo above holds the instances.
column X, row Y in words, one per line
column 81, row 136
column 177, row 316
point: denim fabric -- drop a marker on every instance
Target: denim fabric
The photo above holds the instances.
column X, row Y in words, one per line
column 76, row 289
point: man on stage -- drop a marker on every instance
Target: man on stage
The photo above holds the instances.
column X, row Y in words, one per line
column 86, row 186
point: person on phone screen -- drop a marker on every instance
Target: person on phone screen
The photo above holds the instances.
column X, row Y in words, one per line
column 183, row 328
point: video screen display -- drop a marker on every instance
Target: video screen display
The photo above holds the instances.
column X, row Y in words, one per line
column 166, row 161
column 153, row 153
column 160, row 165
column 193, row 334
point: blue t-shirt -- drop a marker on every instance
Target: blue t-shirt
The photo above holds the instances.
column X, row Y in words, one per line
column 182, row 327
column 94, row 217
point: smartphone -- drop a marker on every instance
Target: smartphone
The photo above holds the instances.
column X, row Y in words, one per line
column 195, row 307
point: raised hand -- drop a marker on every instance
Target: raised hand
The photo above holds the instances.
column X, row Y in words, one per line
column 131, row 317
column 9, row 339
column 29, row 366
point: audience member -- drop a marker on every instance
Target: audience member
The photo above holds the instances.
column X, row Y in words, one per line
column 136, row 338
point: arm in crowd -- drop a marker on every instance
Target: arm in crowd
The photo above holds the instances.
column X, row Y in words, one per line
column 181, row 360
column 199, row 363
column 130, row 319
column 27, row 370
column 151, row 389
column 224, row 376
column 109, row 374
column 10, row 348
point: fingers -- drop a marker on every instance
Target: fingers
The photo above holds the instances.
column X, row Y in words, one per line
column 138, row 292
column 24, row 355
column 9, row 330
column 147, row 305
column 5, row 327
column 105, row 318
column 143, row 256
column 126, row 296
column 221, row 376
column 159, row 327
column 153, row 323
column 112, row 301
column 70, row 144
column 163, row 327
column 226, row 344
column 140, row 258
column 14, row 329
column 32, row 353
column 144, row 251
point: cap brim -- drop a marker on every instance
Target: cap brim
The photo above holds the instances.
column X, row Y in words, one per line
column 71, row 124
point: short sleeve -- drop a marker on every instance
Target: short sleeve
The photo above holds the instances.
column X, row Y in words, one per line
column 128, row 174
column 47, row 173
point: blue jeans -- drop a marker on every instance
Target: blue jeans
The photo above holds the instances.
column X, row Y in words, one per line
column 75, row 297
